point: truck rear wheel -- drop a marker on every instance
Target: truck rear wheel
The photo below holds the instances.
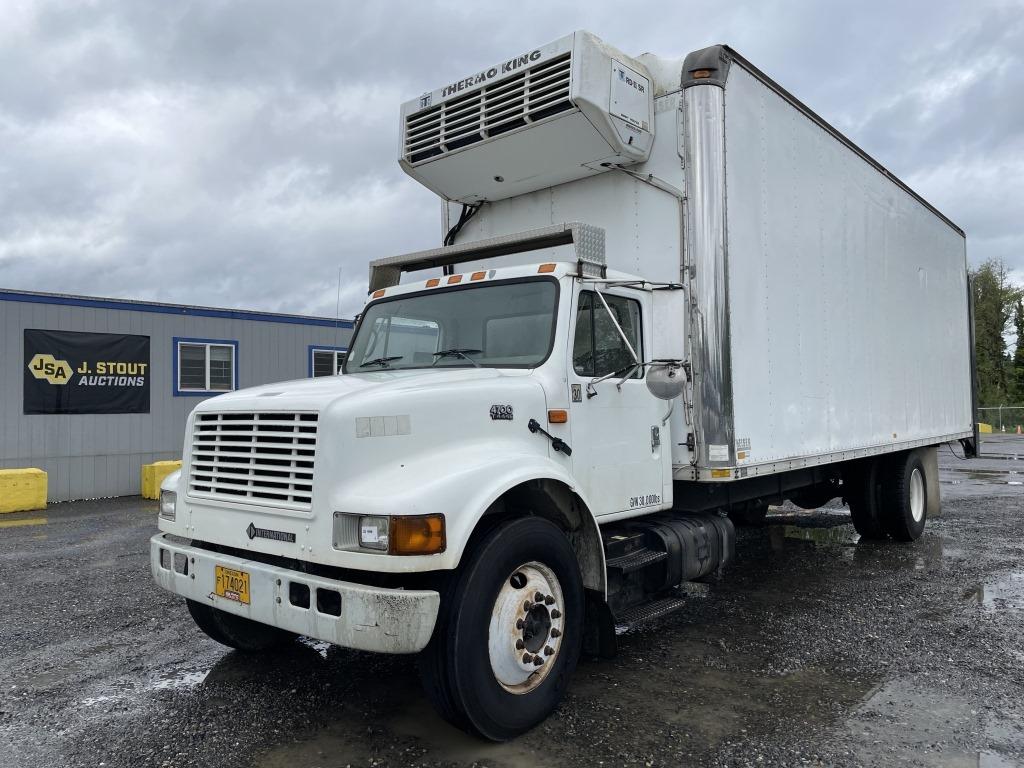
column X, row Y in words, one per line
column 238, row 632
column 509, row 633
column 904, row 492
column 862, row 492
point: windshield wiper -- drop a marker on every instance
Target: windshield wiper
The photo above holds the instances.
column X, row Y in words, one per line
column 463, row 353
column 381, row 361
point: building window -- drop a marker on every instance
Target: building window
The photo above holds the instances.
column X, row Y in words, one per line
column 205, row 366
column 598, row 348
column 326, row 361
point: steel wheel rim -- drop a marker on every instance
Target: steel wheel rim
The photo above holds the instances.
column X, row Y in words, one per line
column 917, row 495
column 524, row 636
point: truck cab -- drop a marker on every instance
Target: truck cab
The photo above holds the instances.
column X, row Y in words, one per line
column 546, row 426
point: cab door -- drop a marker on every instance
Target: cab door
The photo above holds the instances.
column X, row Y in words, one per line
column 621, row 450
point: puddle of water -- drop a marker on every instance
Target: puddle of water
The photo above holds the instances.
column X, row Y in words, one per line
column 989, row 759
column 186, row 680
column 92, row 701
column 407, row 727
column 319, row 646
column 834, row 536
column 169, row 681
column 918, row 722
column 1005, row 593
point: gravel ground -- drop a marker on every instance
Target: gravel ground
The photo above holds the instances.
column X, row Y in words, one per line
column 814, row 650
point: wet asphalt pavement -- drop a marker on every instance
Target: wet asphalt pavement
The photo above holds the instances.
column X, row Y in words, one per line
column 814, row 650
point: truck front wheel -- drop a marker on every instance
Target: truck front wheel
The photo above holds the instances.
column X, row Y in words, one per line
column 509, row 633
column 238, row 632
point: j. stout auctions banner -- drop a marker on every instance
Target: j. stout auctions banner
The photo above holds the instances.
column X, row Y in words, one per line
column 71, row 372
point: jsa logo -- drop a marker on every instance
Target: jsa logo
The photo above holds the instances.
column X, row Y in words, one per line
column 49, row 368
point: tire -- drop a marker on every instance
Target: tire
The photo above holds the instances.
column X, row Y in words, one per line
column 236, row 632
column 473, row 671
column 750, row 513
column 905, row 496
column 862, row 492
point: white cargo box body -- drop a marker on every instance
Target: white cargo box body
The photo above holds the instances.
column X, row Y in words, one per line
column 842, row 324
column 827, row 303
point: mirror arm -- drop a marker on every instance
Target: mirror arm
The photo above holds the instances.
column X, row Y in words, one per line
column 591, row 392
column 629, row 373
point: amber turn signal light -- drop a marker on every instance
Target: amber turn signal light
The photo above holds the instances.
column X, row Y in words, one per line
column 417, row 535
column 543, row 268
column 558, row 416
column 378, row 293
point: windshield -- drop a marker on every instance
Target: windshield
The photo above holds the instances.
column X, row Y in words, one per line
column 500, row 325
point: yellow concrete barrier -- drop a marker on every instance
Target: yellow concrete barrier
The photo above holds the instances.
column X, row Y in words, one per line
column 985, row 429
column 22, row 490
column 154, row 474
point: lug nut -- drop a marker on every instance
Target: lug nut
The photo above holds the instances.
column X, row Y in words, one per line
column 556, row 614
column 527, row 658
column 538, row 597
column 555, row 633
column 548, row 650
column 537, row 661
column 520, row 645
column 549, row 600
column 527, row 605
column 519, row 624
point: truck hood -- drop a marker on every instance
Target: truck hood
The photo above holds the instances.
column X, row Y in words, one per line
column 387, row 442
column 323, row 392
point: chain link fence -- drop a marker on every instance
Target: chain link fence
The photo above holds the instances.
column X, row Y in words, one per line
column 1003, row 418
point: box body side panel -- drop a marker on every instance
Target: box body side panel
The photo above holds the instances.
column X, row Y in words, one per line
column 847, row 296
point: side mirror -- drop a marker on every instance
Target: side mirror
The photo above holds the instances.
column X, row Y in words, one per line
column 669, row 324
column 665, row 379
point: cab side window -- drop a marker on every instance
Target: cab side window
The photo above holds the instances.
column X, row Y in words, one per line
column 598, row 348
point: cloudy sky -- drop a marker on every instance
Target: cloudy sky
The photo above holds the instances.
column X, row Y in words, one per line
column 240, row 153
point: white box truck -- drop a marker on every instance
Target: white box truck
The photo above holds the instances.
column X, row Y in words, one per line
column 669, row 295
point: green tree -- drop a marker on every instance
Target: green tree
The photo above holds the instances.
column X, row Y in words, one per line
column 995, row 299
column 1018, row 355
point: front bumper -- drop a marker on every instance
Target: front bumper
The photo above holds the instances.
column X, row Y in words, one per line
column 372, row 618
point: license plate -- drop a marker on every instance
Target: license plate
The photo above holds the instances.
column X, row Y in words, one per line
column 232, row 584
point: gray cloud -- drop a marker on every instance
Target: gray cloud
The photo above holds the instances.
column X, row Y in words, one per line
column 241, row 153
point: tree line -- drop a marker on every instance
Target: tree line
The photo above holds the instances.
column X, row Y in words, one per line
column 998, row 310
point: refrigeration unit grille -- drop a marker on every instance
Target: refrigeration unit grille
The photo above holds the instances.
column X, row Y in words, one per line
column 261, row 458
column 530, row 95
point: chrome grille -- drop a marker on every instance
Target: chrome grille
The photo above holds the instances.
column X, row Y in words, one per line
column 523, row 98
column 261, row 458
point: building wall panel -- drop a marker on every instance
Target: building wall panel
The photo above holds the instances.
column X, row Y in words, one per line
column 93, row 455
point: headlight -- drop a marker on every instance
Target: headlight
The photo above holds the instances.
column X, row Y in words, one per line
column 167, row 500
column 373, row 533
column 394, row 535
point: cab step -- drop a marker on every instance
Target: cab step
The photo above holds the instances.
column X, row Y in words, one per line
column 635, row 560
column 641, row 614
